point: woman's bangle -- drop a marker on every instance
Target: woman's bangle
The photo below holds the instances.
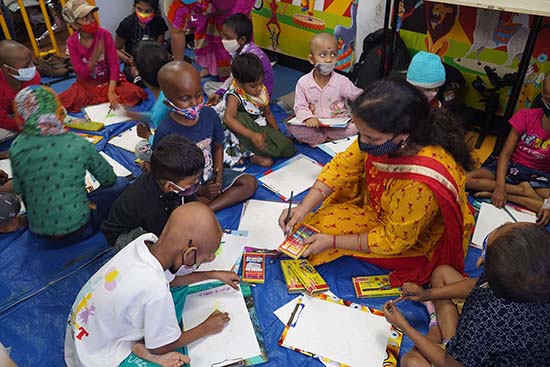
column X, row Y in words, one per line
column 320, row 191
column 359, row 242
column 334, row 241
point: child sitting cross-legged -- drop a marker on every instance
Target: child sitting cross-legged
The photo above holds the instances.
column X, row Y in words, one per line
column 189, row 117
column 505, row 320
column 322, row 94
column 249, row 117
column 95, row 61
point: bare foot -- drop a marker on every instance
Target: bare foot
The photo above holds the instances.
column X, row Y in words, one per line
column 171, row 359
column 483, row 194
column 204, row 73
column 261, row 161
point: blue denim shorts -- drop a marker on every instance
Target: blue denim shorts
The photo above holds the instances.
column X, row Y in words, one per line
column 518, row 173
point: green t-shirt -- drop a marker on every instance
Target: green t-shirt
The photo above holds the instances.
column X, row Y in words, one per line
column 48, row 171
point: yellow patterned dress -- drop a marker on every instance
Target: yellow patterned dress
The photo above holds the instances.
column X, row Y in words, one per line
column 414, row 209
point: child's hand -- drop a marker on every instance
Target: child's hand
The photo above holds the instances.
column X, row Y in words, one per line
column 143, row 130
column 543, row 217
column 394, row 316
column 259, row 141
column 113, row 99
column 213, row 99
column 215, row 323
column 414, row 292
column 228, row 277
column 212, row 190
column 312, row 122
column 498, row 198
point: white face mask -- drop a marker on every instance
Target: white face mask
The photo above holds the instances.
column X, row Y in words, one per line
column 430, row 94
column 231, row 46
column 325, row 68
column 185, row 270
column 25, row 74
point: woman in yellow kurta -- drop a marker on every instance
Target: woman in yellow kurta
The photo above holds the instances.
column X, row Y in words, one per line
column 396, row 198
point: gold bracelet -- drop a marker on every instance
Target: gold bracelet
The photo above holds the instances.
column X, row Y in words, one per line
column 320, row 191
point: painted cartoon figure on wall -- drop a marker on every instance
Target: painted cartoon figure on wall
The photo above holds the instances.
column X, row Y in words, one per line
column 345, row 36
column 493, row 31
column 308, row 21
column 273, row 26
column 440, row 20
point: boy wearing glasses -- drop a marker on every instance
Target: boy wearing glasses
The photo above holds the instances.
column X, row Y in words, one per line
column 145, row 205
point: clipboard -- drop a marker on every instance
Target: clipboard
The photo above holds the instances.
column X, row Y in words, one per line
column 394, row 340
column 333, row 122
column 337, row 146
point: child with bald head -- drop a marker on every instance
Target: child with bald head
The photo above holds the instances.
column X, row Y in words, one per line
column 127, row 304
column 189, row 117
column 16, row 72
column 322, row 94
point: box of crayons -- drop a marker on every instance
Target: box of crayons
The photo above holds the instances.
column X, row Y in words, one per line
column 312, row 281
column 253, row 268
column 293, row 284
column 374, row 286
column 293, row 245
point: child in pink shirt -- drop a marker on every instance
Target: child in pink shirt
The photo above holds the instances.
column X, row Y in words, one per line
column 522, row 172
column 322, row 94
column 95, row 61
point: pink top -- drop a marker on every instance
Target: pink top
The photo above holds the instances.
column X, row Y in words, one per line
column 533, row 147
column 107, row 67
column 312, row 101
column 7, row 95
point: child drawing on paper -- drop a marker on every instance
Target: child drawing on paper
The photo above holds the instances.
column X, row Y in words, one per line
column 495, row 326
column 521, row 174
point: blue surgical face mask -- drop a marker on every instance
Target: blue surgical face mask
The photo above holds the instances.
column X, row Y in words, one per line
column 191, row 113
column 378, row 149
column 185, row 192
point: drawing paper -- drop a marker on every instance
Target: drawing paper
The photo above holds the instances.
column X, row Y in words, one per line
column 236, row 340
column 490, row 217
column 228, row 255
column 5, row 165
column 340, row 333
column 100, row 113
column 261, row 220
column 119, row 169
column 338, row 146
column 126, row 140
column 336, row 122
column 297, row 174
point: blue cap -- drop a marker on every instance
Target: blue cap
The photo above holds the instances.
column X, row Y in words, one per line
column 426, row 71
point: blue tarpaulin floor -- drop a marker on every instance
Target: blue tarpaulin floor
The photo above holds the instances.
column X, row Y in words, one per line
column 39, row 281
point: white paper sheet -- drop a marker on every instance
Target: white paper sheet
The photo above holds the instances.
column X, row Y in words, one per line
column 100, row 113
column 298, row 175
column 126, row 140
column 261, row 220
column 338, row 146
column 340, row 333
column 119, row 169
column 5, row 165
column 284, row 312
column 229, row 253
column 490, row 218
column 237, row 339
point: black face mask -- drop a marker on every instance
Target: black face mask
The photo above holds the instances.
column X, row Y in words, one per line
column 546, row 108
column 378, row 149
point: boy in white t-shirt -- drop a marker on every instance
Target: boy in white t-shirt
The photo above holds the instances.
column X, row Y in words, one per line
column 127, row 303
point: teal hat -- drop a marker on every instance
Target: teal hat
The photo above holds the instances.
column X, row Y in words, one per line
column 426, row 71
